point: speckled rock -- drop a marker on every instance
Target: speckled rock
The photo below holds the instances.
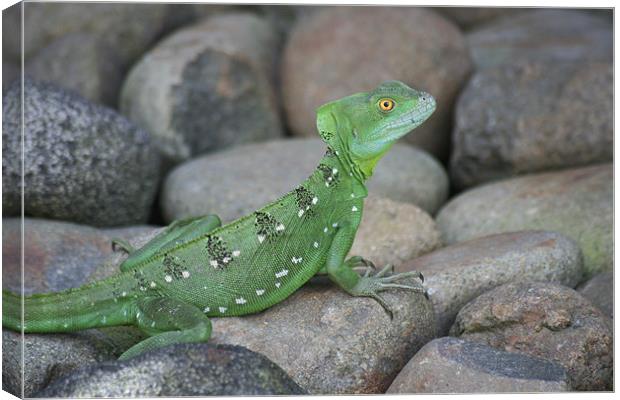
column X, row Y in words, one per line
column 10, row 72
column 544, row 320
column 451, row 365
column 127, row 28
column 459, row 273
column 344, row 50
column 532, row 117
column 600, row 291
column 85, row 163
column 553, row 35
column 82, row 63
column 180, row 370
column 471, row 17
column 393, row 232
column 265, row 171
column 332, row 343
column 206, row 87
column 576, row 202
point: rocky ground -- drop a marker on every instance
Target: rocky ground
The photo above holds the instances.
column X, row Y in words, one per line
column 138, row 114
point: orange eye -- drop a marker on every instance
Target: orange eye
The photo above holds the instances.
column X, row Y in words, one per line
column 386, row 104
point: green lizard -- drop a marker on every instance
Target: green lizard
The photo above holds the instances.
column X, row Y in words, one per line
column 196, row 268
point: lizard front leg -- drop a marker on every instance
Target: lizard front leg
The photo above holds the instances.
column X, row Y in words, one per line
column 341, row 272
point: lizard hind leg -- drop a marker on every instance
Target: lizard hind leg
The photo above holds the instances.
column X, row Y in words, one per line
column 167, row 321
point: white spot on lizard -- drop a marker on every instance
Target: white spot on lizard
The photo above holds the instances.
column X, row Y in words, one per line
column 335, row 224
column 284, row 272
column 261, row 238
column 214, row 263
column 222, row 309
column 279, row 227
column 316, row 245
column 315, row 200
column 296, row 260
column 236, row 253
column 259, row 292
column 353, row 208
column 185, row 274
column 325, row 229
column 168, row 278
column 153, row 284
column 300, row 213
column 206, row 309
column 278, row 284
column 240, row 300
column 334, row 171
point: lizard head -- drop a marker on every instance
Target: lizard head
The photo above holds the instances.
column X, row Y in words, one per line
column 364, row 126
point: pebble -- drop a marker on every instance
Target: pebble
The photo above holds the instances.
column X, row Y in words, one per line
column 600, row 291
column 456, row 274
column 544, row 320
column 545, row 34
column 531, row 117
column 236, row 182
column 179, row 370
column 206, row 87
column 452, row 365
column 82, row 63
column 73, row 172
column 344, row 50
column 469, row 18
column 577, row 203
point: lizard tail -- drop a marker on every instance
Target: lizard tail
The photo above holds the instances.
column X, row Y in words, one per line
column 102, row 303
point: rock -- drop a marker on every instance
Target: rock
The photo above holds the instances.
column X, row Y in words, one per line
column 600, row 291
column 180, row 370
column 550, row 35
column 268, row 170
column 393, row 232
column 471, row 17
column 577, row 203
column 345, row 50
column 85, row 163
column 532, row 117
column 46, row 357
column 332, row 343
column 544, row 320
column 459, row 273
column 82, row 63
column 10, row 73
column 451, row 365
column 206, row 87
column 129, row 29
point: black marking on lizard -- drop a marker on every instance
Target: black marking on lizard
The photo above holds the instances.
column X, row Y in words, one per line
column 173, row 267
column 330, row 178
column 219, row 255
column 266, row 225
column 303, row 199
column 325, row 135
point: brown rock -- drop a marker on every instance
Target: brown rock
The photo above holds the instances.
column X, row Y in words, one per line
column 451, row 365
column 457, row 274
column 544, row 320
column 344, row 50
column 600, row 291
column 531, row 117
column 470, row 17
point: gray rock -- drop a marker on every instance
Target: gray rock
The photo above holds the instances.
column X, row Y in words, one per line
column 85, row 163
column 10, row 73
column 531, row 117
column 551, row 35
column 544, row 320
column 180, row 370
column 576, row 202
column 459, row 273
column 332, row 343
column 82, row 63
column 129, row 29
column 600, row 291
column 236, row 182
column 393, row 232
column 206, row 87
column 344, row 50
column 472, row 17
column 451, row 365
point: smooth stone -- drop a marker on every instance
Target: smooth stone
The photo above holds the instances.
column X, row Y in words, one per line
column 86, row 163
column 393, row 232
column 469, row 18
column 82, row 63
column 344, row 50
column 206, row 87
column 10, row 73
column 179, row 370
column 529, row 117
column 537, row 35
column 600, row 291
column 129, row 29
column 456, row 274
column 452, row 365
column 332, row 343
column 265, row 171
column 547, row 321
column 577, row 203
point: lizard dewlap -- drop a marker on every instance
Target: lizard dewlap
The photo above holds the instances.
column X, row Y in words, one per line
column 197, row 268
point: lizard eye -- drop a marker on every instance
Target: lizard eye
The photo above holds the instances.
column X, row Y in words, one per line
column 386, row 105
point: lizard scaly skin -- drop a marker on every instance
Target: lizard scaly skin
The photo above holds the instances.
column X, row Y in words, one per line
column 198, row 269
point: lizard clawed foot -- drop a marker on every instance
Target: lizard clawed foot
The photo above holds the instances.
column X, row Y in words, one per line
column 357, row 262
column 370, row 286
column 122, row 244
